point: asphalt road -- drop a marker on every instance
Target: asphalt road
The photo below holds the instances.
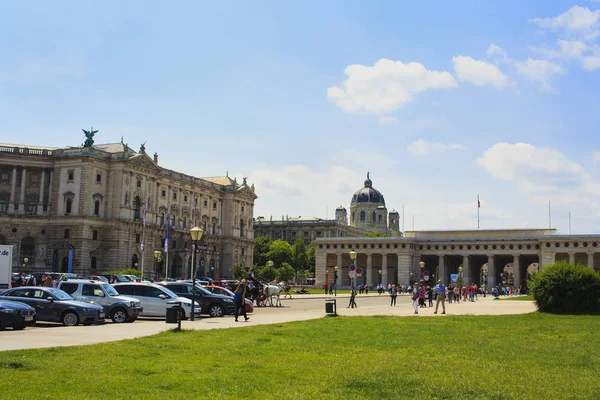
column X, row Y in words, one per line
column 300, row 307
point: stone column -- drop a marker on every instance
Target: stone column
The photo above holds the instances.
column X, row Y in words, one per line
column 516, row 271
column 384, row 270
column 547, row 259
column 443, row 274
column 22, row 194
column 13, row 188
column 590, row 261
column 404, row 261
column 49, row 204
column 339, row 281
column 492, row 274
column 467, row 276
column 369, row 269
column 40, row 207
column 320, row 269
column 572, row 258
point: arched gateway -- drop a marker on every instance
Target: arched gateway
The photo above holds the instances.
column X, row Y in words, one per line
column 481, row 256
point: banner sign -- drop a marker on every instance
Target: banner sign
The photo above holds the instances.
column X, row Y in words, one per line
column 5, row 266
column 70, row 265
column 454, row 277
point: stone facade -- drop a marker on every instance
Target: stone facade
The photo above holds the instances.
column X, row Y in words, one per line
column 92, row 200
column 397, row 259
column 305, row 228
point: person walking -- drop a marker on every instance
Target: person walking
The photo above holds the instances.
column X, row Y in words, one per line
column 326, row 286
column 240, row 299
column 393, row 295
column 441, row 297
column 352, row 298
column 415, row 298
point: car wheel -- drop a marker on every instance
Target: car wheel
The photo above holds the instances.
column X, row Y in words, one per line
column 216, row 310
column 18, row 328
column 118, row 316
column 70, row 319
column 182, row 316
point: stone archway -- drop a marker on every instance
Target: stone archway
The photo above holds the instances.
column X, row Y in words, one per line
column 176, row 270
column 64, row 265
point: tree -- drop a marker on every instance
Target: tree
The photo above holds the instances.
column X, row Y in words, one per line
column 299, row 256
column 376, row 235
column 267, row 273
column 279, row 252
column 310, row 259
column 238, row 271
column 262, row 244
column 285, row 272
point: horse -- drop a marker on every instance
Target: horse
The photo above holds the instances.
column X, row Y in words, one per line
column 272, row 290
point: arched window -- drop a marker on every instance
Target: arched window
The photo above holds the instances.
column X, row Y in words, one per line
column 97, row 207
column 374, row 217
column 381, row 219
column 134, row 261
column 162, row 219
column 94, row 262
column 69, row 206
column 363, row 216
column 137, row 205
column 214, row 228
column 28, row 248
column 241, row 228
column 352, row 217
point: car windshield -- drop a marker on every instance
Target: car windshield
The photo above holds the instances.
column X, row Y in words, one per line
column 59, row 294
column 110, row 290
column 202, row 290
column 169, row 292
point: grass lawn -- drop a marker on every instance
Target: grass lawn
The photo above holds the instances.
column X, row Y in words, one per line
column 533, row 356
column 528, row 297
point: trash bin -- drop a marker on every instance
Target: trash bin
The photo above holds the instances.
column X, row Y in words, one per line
column 330, row 307
column 173, row 312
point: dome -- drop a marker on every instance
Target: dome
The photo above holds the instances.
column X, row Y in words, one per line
column 340, row 208
column 394, row 212
column 368, row 194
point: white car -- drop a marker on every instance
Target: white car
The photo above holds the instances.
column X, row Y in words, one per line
column 156, row 299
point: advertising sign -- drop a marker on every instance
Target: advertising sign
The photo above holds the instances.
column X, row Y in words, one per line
column 5, row 266
column 454, row 277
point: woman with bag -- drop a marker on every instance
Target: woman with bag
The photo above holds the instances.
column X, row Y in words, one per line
column 240, row 298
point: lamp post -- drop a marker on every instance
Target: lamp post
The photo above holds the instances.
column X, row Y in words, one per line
column 196, row 234
column 156, row 261
column 379, row 277
column 353, row 258
column 422, row 266
column 335, row 270
column 411, row 279
column 460, row 270
column 25, row 261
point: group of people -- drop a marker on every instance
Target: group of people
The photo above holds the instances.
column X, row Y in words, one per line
column 46, row 280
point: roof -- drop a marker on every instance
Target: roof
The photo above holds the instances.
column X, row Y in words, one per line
column 113, row 147
column 219, row 180
column 28, row 146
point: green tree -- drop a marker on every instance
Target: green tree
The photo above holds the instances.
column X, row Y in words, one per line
column 376, row 235
column 310, row 259
column 285, row 272
column 128, row 271
column 266, row 273
column 238, row 271
column 299, row 256
column 262, row 244
column 279, row 252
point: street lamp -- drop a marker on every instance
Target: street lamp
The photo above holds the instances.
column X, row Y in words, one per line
column 25, row 261
column 353, row 258
column 196, row 234
column 335, row 269
column 156, row 261
column 380, row 277
column 460, row 270
column 424, row 273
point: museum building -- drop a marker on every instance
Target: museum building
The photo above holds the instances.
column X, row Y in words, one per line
column 100, row 207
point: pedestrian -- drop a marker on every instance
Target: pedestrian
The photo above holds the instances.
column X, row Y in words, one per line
column 366, row 289
column 240, row 298
column 422, row 296
column 430, row 296
column 352, row 298
column 48, row 281
column 441, row 297
column 393, row 295
column 415, row 298
column 326, row 286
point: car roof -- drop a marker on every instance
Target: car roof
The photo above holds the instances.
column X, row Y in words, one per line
column 82, row 281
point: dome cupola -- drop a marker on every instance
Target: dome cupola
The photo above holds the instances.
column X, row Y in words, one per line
column 368, row 194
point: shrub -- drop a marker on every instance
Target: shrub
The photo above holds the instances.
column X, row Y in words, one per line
column 566, row 289
column 128, row 271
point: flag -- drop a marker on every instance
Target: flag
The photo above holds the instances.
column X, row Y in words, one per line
column 478, row 202
column 194, row 212
column 144, row 228
column 168, row 227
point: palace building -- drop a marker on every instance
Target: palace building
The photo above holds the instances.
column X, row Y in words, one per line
column 96, row 208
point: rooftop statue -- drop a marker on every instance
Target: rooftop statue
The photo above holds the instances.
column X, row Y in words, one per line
column 89, row 137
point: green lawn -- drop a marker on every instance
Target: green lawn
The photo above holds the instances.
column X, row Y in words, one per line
column 534, row 356
column 529, row 297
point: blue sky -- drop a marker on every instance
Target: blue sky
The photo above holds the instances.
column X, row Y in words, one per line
column 440, row 101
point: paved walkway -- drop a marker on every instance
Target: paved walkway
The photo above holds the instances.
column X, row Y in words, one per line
column 52, row 335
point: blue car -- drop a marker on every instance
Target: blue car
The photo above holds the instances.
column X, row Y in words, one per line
column 54, row 305
column 15, row 315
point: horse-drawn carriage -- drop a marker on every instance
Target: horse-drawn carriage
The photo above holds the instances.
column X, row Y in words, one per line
column 263, row 294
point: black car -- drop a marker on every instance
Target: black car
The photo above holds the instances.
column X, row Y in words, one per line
column 16, row 315
column 54, row 305
column 213, row 304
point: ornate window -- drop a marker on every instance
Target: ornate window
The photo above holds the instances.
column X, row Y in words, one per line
column 31, row 204
column 137, row 208
column 69, row 206
column 374, row 217
column 4, row 199
column 363, row 216
column 28, row 248
column 97, row 207
column 4, row 177
column 71, row 175
column 93, row 262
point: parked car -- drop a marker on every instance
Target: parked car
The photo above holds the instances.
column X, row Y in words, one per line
column 132, row 278
column 214, row 289
column 99, row 278
column 155, row 299
column 54, row 305
column 119, row 308
column 16, row 315
column 213, row 304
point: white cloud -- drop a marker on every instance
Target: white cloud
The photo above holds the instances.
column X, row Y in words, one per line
column 542, row 71
column 543, row 174
column 587, row 55
column 386, row 86
column 495, row 50
column 422, row 147
column 579, row 21
column 479, row 73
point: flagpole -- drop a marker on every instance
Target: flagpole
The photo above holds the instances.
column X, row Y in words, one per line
column 167, row 244
column 478, row 207
column 549, row 216
column 142, row 247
